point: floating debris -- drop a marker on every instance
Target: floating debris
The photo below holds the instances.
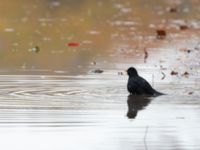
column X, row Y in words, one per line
column 185, row 50
column 174, row 73
column 35, row 49
column 145, row 55
column 172, row 10
column 186, row 74
column 73, row 44
column 183, row 27
column 161, row 34
column 163, row 77
column 190, row 93
column 188, row 51
column 97, row 71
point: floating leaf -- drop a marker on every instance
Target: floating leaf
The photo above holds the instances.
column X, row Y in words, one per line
column 161, row 34
column 73, row 44
column 173, row 10
column 174, row 73
column 185, row 74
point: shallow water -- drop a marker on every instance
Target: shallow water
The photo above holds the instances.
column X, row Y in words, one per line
column 90, row 112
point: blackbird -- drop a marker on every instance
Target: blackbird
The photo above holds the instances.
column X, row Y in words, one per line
column 138, row 85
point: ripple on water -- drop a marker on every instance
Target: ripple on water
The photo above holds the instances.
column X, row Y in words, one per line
column 63, row 107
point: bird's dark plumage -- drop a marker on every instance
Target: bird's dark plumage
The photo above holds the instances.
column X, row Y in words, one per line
column 138, row 85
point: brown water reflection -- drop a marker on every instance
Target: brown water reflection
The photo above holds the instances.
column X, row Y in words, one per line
column 103, row 29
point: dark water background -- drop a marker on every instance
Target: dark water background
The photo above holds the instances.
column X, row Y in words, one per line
column 51, row 98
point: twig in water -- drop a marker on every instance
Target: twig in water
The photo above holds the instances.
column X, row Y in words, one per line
column 145, row 136
column 163, row 76
column 145, row 55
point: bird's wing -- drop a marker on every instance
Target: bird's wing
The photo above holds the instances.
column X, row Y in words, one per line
column 136, row 85
column 147, row 87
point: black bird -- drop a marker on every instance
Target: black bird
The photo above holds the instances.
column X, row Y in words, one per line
column 138, row 85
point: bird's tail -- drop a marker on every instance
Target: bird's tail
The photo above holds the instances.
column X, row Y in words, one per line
column 156, row 93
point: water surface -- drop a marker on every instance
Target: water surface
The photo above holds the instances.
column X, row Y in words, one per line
column 90, row 112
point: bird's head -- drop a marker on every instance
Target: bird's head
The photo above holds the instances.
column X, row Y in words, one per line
column 132, row 72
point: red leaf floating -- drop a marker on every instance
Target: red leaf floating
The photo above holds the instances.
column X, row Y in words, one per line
column 73, row 44
column 161, row 34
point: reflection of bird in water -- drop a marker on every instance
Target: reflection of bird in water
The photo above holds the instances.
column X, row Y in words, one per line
column 138, row 85
column 136, row 103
